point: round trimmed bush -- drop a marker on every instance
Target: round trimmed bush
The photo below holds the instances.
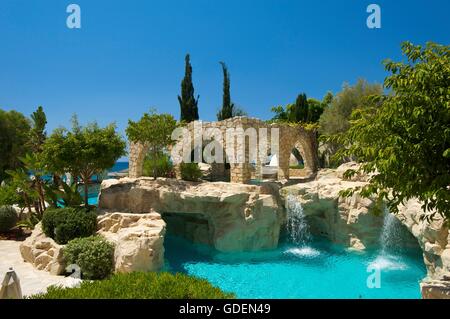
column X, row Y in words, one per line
column 140, row 285
column 94, row 255
column 8, row 218
column 64, row 224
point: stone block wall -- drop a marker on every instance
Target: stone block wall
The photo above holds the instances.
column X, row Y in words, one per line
column 289, row 137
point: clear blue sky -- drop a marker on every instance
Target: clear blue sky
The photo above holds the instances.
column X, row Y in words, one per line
column 129, row 55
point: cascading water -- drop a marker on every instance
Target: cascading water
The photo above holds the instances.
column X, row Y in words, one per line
column 297, row 227
column 391, row 234
column 391, row 238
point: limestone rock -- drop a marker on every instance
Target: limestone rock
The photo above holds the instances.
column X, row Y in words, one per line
column 43, row 252
column 138, row 240
column 229, row 216
column 435, row 289
column 344, row 220
column 350, row 221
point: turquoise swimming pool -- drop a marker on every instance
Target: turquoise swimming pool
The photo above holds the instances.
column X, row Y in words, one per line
column 319, row 269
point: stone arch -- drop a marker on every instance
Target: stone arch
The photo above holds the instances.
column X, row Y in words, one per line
column 138, row 151
column 289, row 136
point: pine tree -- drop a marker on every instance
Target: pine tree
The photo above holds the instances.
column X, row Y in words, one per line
column 227, row 107
column 188, row 103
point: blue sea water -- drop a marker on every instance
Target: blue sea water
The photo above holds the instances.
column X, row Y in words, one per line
column 94, row 190
column 319, row 269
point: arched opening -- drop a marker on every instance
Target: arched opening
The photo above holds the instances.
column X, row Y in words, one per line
column 193, row 227
column 298, row 165
column 215, row 171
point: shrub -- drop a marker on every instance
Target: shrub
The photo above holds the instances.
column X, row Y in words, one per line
column 8, row 218
column 190, row 172
column 140, row 285
column 158, row 166
column 94, row 255
column 64, row 224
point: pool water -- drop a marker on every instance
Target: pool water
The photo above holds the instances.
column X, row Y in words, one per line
column 318, row 269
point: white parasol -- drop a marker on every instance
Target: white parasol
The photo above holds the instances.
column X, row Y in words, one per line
column 10, row 288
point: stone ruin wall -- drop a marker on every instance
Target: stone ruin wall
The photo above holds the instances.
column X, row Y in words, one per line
column 289, row 137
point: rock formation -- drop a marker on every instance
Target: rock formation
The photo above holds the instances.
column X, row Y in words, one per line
column 231, row 217
column 43, row 252
column 138, row 240
column 351, row 221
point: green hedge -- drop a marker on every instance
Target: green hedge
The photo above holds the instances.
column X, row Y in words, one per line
column 139, row 285
column 64, row 224
column 94, row 255
column 8, row 218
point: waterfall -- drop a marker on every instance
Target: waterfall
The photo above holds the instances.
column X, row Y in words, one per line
column 391, row 241
column 391, row 234
column 297, row 227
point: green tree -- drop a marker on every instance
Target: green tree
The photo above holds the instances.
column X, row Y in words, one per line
column 83, row 151
column 227, row 109
column 335, row 118
column 405, row 139
column 155, row 131
column 303, row 111
column 188, row 103
column 37, row 132
column 300, row 110
column 14, row 133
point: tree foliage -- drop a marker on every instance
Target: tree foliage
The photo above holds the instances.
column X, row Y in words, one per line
column 83, row 151
column 188, row 103
column 227, row 110
column 14, row 133
column 404, row 137
column 304, row 110
column 336, row 117
column 155, row 131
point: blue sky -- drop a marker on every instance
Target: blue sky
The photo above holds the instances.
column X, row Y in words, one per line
column 129, row 55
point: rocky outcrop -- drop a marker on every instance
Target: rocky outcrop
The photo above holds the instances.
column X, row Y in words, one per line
column 43, row 252
column 345, row 220
column 138, row 240
column 352, row 221
column 231, row 217
column 435, row 289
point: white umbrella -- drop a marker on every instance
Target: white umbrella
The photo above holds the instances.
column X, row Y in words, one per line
column 10, row 288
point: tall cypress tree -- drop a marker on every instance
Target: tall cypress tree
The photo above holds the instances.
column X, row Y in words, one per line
column 227, row 107
column 188, row 103
column 301, row 108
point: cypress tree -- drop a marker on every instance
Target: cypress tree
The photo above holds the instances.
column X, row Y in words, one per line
column 227, row 107
column 188, row 103
column 301, row 108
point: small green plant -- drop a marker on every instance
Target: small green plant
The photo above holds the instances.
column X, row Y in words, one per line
column 190, row 172
column 158, row 165
column 94, row 255
column 8, row 218
column 64, row 224
column 140, row 285
column 67, row 196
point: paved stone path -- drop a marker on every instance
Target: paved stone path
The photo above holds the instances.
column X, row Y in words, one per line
column 32, row 280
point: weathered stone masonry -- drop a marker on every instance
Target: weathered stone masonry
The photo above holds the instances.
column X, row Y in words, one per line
column 289, row 138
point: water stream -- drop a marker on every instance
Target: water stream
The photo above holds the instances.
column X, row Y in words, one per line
column 297, row 227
